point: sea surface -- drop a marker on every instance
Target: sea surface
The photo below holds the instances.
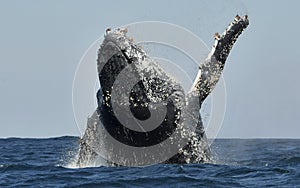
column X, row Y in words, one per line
column 237, row 163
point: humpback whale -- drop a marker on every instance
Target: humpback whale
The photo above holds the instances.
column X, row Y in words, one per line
column 136, row 93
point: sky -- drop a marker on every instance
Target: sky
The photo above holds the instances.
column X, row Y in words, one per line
column 42, row 42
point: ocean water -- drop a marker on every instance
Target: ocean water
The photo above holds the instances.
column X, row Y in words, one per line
column 238, row 163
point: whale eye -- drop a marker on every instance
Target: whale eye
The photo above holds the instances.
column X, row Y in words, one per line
column 99, row 97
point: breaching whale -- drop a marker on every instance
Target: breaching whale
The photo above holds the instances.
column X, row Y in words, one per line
column 135, row 89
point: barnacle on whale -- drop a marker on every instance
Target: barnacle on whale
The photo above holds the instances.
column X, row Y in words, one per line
column 142, row 87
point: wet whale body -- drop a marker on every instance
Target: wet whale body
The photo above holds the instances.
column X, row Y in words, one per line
column 140, row 106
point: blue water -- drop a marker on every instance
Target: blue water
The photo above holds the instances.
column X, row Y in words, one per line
column 238, row 163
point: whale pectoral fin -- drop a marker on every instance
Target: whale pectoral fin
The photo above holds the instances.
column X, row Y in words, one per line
column 210, row 71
